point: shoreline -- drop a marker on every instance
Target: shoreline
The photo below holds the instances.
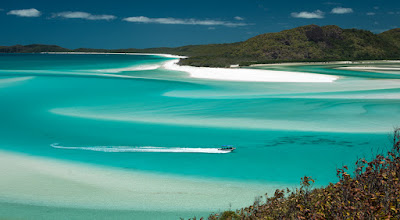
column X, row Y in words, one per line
column 253, row 65
column 248, row 75
column 237, row 74
column 230, row 74
column 327, row 62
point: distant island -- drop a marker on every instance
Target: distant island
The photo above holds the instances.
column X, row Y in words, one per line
column 310, row 43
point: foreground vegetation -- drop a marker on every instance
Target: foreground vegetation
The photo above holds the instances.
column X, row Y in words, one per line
column 309, row 43
column 372, row 192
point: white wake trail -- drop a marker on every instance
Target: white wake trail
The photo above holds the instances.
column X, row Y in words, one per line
column 126, row 149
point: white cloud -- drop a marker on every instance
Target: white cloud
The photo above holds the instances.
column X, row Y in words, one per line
column 25, row 12
column 304, row 14
column 142, row 19
column 83, row 15
column 376, row 7
column 340, row 10
column 238, row 18
column 371, row 13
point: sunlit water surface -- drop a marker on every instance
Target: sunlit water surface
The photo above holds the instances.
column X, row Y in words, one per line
column 282, row 131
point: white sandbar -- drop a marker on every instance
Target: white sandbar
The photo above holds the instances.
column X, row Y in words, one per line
column 229, row 74
column 248, row 75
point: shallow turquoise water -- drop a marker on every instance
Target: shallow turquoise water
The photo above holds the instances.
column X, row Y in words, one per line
column 14, row 211
column 282, row 131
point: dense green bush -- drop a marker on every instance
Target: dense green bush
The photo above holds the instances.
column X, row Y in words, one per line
column 308, row 43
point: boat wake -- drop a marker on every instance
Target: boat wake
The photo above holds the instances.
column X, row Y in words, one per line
column 133, row 68
column 128, row 149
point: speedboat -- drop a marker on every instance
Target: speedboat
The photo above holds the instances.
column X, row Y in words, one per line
column 227, row 148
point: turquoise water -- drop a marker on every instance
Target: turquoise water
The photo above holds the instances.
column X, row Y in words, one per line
column 282, row 131
column 61, row 213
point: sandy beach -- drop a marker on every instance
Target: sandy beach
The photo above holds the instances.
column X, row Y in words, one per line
column 224, row 74
column 248, row 75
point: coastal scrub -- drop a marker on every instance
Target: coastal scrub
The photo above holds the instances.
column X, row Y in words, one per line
column 372, row 192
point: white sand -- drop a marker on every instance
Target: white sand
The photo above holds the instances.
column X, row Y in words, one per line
column 159, row 54
column 42, row 181
column 229, row 74
column 248, row 75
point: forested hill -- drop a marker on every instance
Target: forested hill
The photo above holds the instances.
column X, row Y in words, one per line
column 306, row 43
column 33, row 48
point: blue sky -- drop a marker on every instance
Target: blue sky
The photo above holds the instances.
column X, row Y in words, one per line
column 156, row 23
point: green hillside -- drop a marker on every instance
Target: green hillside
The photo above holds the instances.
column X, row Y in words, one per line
column 306, row 43
column 33, row 48
column 392, row 36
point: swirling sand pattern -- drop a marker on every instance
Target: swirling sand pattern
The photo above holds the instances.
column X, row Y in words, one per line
column 282, row 130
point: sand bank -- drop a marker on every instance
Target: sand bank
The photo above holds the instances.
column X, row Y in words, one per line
column 41, row 181
column 226, row 74
column 248, row 75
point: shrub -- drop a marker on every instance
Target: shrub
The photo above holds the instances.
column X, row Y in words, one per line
column 372, row 192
